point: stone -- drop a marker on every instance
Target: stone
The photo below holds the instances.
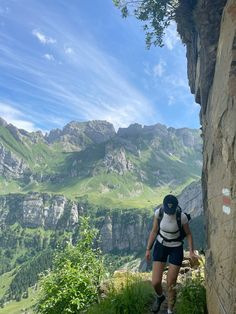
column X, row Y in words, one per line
column 209, row 31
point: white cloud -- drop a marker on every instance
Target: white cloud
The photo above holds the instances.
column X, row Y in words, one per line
column 49, row 57
column 43, row 38
column 69, row 50
column 171, row 100
column 15, row 117
column 159, row 69
column 171, row 37
column 147, row 69
column 177, row 82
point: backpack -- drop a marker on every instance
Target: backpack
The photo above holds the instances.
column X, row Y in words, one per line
column 178, row 219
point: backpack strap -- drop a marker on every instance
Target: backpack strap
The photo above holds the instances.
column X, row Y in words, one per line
column 179, row 223
column 159, row 219
column 178, row 218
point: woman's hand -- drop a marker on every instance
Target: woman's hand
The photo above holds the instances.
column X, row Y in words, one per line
column 194, row 256
column 194, row 259
column 148, row 255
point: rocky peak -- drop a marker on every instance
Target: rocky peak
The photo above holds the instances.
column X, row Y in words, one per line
column 189, row 137
column 20, row 134
column 77, row 135
column 3, row 122
column 156, row 129
column 132, row 130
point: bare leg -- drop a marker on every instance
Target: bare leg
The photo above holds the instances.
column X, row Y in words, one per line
column 172, row 275
column 157, row 272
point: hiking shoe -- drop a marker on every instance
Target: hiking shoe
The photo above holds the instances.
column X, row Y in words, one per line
column 157, row 303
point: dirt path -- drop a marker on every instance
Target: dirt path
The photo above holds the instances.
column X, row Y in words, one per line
column 164, row 306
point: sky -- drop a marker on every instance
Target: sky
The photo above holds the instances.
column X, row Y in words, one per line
column 79, row 60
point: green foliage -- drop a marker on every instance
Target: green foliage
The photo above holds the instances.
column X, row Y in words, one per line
column 156, row 15
column 73, row 283
column 191, row 298
column 131, row 298
column 28, row 274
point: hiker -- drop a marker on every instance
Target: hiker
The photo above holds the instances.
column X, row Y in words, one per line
column 169, row 225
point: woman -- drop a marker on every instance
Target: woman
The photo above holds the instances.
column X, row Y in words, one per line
column 168, row 244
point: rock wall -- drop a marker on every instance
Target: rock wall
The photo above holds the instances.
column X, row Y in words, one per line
column 120, row 230
column 129, row 230
column 211, row 53
column 35, row 210
column 11, row 166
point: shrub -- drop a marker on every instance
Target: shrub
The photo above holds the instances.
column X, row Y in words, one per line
column 191, row 298
column 73, row 283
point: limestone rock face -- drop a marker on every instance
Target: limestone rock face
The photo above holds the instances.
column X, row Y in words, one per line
column 116, row 161
column 11, row 166
column 106, row 235
column 190, row 200
column 211, row 53
column 38, row 210
column 133, row 130
column 125, row 232
column 129, row 231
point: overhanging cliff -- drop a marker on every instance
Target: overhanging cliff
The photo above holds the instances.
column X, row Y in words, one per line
column 208, row 28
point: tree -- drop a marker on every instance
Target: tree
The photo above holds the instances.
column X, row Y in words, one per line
column 73, row 283
column 156, row 15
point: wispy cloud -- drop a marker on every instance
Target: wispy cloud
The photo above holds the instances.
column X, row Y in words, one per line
column 171, row 100
column 93, row 85
column 15, row 117
column 171, row 37
column 176, row 81
column 159, row 69
column 43, row 38
column 49, row 57
column 76, row 73
column 69, row 50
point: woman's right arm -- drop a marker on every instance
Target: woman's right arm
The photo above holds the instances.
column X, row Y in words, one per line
column 152, row 238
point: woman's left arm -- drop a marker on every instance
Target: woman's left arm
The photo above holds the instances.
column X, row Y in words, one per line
column 190, row 241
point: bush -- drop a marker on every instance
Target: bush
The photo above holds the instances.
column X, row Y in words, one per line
column 191, row 298
column 73, row 283
column 131, row 296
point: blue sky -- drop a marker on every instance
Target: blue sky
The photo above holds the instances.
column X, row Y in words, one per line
column 64, row 60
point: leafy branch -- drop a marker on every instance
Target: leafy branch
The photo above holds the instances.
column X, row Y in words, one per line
column 155, row 14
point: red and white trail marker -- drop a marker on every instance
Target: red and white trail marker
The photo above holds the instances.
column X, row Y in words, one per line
column 226, row 201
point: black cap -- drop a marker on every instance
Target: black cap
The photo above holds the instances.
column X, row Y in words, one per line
column 170, row 204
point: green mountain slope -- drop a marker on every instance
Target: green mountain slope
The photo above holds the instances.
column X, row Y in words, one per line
column 134, row 167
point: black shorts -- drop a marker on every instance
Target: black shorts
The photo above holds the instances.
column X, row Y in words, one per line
column 161, row 253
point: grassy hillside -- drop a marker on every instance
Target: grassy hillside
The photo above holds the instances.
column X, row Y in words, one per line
column 159, row 166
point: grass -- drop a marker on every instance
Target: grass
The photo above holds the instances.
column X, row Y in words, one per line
column 127, row 293
column 5, row 280
column 19, row 307
column 105, row 189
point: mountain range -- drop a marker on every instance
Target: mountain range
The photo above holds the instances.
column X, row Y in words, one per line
column 133, row 167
